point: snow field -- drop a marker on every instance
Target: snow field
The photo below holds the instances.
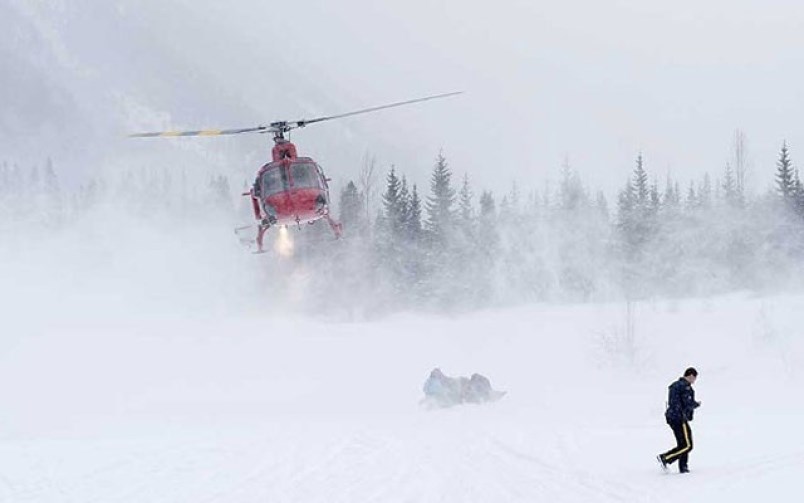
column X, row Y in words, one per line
column 134, row 373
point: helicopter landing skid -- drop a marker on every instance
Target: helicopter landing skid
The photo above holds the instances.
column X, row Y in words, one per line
column 246, row 237
column 261, row 229
column 244, row 234
column 337, row 228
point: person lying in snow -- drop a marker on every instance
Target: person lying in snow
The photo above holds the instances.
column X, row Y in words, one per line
column 443, row 391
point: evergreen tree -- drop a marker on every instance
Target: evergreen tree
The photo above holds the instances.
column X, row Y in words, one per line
column 488, row 211
column 740, row 158
column 88, row 195
column 785, row 175
column 465, row 211
column 35, row 180
column 626, row 205
column 51, row 181
column 513, row 199
column 692, row 198
column 671, row 199
column 718, row 188
column 443, row 271
column 404, row 206
column 798, row 194
column 440, row 203
column 546, row 201
column 393, row 204
column 505, row 207
column 218, row 187
column 570, row 192
column 731, row 192
column 486, row 248
column 51, row 203
column 351, row 206
column 414, row 222
column 705, row 192
column 602, row 205
column 534, row 203
column 637, row 226
column 640, row 185
column 397, row 256
column 654, row 201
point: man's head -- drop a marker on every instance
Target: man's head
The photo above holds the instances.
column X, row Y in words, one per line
column 691, row 375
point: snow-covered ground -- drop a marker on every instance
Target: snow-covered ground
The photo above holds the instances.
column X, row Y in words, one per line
column 133, row 370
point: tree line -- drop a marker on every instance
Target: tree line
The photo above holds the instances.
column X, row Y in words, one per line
column 450, row 247
column 453, row 249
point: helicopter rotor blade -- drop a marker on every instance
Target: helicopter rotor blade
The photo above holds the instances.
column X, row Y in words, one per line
column 284, row 126
column 303, row 123
column 203, row 132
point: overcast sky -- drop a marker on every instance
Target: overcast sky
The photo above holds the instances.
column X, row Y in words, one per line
column 593, row 81
column 597, row 81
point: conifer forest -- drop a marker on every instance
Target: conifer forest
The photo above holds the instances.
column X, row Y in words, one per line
column 450, row 245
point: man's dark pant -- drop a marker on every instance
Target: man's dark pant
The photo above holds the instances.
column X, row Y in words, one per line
column 683, row 447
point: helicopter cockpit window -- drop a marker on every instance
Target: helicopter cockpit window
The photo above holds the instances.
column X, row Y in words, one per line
column 305, row 176
column 274, row 180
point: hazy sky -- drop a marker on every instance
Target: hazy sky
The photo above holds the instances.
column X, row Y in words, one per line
column 595, row 81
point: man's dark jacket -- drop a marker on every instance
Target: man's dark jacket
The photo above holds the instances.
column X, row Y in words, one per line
column 680, row 402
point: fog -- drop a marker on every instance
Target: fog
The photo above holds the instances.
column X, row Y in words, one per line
column 155, row 241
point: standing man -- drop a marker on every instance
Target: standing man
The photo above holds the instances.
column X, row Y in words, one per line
column 680, row 407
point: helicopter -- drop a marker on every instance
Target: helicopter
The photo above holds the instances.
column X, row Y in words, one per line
column 288, row 190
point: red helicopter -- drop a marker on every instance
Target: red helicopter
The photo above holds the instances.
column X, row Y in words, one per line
column 290, row 189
